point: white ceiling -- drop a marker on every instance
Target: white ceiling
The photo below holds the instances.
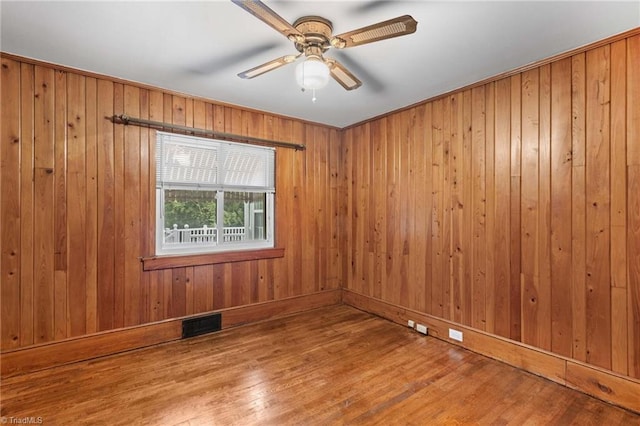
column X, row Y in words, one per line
column 197, row 48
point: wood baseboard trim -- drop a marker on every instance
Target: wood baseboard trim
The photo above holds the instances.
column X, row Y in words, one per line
column 233, row 317
column 599, row 383
column 48, row 355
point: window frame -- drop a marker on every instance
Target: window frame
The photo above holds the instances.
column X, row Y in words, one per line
column 219, row 247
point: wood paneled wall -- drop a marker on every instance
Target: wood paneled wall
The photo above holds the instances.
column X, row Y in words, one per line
column 78, row 208
column 512, row 207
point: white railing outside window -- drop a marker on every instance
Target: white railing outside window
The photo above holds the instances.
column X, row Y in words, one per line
column 204, row 235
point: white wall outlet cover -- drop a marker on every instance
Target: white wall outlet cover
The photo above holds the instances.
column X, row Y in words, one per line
column 410, row 323
column 421, row 328
column 455, row 335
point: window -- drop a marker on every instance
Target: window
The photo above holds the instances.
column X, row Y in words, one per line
column 212, row 195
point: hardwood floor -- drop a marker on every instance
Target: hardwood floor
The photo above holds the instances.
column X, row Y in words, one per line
column 333, row 365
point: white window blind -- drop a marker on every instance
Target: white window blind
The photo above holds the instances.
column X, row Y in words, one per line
column 189, row 162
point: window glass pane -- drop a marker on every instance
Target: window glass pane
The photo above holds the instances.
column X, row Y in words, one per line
column 189, row 217
column 245, row 216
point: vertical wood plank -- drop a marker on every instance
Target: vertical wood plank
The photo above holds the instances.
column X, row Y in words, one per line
column 490, row 209
column 145, row 207
column 515, row 292
column 633, row 251
column 502, row 274
column 429, row 187
column 189, row 281
column 358, row 211
column 131, row 209
column 153, row 283
column 27, row 206
column 178, row 301
column 467, row 206
column 169, row 300
column 530, row 207
column 120, row 226
column 447, row 263
column 10, row 144
column 633, row 204
column 62, row 319
column 76, row 204
column 598, row 267
column 240, row 292
column 106, row 207
column 544, row 210
column 218, row 286
column 404, row 228
column 633, row 101
column 437, row 277
column 156, row 297
column 618, row 212
column 457, row 206
column 284, row 181
column 337, row 203
column 91, row 205
column 418, row 265
column 478, row 206
column 203, row 280
column 392, row 267
column 380, row 170
column 561, row 312
column 44, row 162
column 578, row 208
column 301, row 279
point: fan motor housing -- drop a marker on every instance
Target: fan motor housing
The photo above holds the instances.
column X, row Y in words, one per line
column 317, row 32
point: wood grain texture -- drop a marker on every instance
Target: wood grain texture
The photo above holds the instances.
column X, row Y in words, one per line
column 602, row 385
column 578, row 208
column 52, row 354
column 27, row 205
column 10, row 204
column 502, row 212
column 594, row 381
column 531, row 213
column 330, row 366
column 87, row 187
column 510, row 207
column 44, row 169
column 61, row 305
column 529, row 208
column 598, row 195
column 633, row 205
column 618, row 211
column 561, row 313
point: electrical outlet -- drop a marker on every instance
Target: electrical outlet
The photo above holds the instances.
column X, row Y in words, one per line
column 411, row 324
column 455, row 335
column 421, row 328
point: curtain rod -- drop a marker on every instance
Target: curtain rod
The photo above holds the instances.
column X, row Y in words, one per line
column 125, row 119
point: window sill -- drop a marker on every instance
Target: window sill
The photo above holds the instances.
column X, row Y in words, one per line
column 154, row 263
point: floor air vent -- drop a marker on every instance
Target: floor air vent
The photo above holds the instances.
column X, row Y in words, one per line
column 201, row 325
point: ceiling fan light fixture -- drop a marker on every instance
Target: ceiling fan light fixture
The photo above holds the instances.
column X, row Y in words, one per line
column 312, row 74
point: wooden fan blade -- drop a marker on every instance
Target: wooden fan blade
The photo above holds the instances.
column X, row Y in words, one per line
column 402, row 25
column 268, row 66
column 269, row 17
column 342, row 75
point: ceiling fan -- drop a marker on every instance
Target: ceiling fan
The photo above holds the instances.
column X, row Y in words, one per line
column 312, row 37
